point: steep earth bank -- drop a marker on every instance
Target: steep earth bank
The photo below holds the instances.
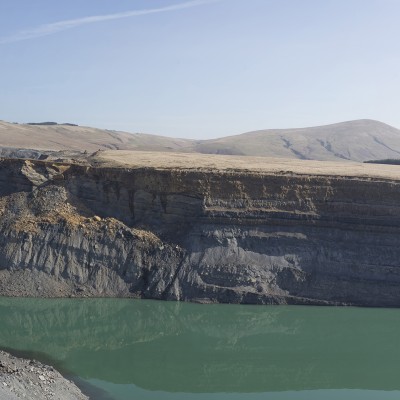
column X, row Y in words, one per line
column 238, row 236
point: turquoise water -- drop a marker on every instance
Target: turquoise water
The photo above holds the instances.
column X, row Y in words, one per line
column 137, row 349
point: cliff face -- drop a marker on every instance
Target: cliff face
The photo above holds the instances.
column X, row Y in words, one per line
column 202, row 235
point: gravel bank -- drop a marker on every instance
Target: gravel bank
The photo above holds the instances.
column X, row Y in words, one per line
column 31, row 380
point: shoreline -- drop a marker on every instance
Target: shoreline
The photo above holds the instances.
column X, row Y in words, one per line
column 28, row 379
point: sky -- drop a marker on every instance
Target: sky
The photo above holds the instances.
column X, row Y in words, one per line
column 199, row 69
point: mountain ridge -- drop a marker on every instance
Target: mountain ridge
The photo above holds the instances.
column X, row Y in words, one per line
column 356, row 140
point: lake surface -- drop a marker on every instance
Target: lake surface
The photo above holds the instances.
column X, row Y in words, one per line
column 138, row 349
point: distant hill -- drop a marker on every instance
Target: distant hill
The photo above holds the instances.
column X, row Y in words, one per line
column 53, row 136
column 359, row 140
column 389, row 161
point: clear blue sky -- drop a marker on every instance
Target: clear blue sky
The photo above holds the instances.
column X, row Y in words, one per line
column 213, row 68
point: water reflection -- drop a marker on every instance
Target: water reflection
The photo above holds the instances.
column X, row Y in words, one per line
column 177, row 347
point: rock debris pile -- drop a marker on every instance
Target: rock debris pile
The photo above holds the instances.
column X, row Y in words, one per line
column 32, row 380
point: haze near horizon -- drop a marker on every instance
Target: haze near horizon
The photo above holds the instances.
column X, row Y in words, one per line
column 199, row 69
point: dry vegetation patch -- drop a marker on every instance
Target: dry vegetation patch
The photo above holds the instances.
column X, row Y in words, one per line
column 265, row 165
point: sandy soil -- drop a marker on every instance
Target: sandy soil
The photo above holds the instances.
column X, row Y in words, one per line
column 140, row 159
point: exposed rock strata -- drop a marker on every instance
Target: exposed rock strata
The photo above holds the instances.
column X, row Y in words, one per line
column 223, row 236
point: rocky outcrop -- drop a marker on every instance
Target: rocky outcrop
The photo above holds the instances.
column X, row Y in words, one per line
column 198, row 235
